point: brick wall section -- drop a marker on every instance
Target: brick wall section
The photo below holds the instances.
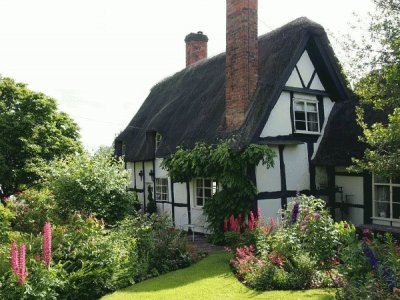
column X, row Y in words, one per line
column 241, row 59
column 196, row 47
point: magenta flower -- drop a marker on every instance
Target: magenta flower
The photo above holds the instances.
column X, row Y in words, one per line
column 226, row 224
column 47, row 243
column 23, row 272
column 272, row 221
column 258, row 213
column 316, row 215
column 14, row 258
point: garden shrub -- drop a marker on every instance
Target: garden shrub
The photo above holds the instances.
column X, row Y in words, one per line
column 299, row 252
column 371, row 268
column 89, row 260
column 6, row 216
column 151, row 206
column 32, row 209
column 91, row 184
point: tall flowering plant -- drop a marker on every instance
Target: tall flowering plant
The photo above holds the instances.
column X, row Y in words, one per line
column 18, row 262
column 47, row 243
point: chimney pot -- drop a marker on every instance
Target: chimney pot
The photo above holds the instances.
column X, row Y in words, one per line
column 196, row 47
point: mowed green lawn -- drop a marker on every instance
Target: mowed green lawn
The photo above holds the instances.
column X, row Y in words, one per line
column 211, row 278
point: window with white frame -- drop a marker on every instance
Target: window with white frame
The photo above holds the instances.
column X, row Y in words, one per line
column 386, row 197
column 305, row 112
column 161, row 189
column 205, row 189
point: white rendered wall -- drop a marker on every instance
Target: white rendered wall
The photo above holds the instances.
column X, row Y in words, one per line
column 180, row 192
column 296, row 167
column 306, row 69
column 269, row 180
column 321, row 177
column 353, row 188
column 353, row 193
column 139, row 181
column 279, row 122
column 269, row 207
column 129, row 168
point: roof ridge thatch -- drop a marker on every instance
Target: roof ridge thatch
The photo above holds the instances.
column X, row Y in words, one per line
column 189, row 106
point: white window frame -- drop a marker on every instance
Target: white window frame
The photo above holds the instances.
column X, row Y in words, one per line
column 160, row 194
column 213, row 188
column 305, row 101
column 376, row 214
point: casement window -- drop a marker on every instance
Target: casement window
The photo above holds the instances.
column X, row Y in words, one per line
column 161, row 189
column 205, row 189
column 306, row 117
column 158, row 140
column 386, row 198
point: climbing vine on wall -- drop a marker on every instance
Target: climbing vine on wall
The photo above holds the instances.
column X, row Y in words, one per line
column 226, row 165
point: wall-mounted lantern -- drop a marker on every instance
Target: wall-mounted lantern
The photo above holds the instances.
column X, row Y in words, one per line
column 151, row 173
column 141, row 175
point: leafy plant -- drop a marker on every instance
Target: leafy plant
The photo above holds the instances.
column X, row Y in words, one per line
column 371, row 269
column 6, row 216
column 32, row 129
column 151, row 207
column 90, row 184
column 228, row 166
column 32, row 209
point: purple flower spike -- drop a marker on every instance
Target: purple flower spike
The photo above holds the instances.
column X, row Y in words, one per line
column 295, row 212
column 371, row 256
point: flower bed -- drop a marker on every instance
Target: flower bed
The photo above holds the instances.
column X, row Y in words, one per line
column 306, row 249
column 84, row 260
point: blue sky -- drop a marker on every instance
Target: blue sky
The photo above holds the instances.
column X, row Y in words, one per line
column 100, row 58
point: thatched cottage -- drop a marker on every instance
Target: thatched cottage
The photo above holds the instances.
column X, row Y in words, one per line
column 284, row 89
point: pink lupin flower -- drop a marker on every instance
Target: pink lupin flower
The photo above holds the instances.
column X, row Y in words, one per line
column 251, row 221
column 272, row 222
column 23, row 272
column 47, row 243
column 258, row 213
column 14, row 258
column 232, row 223
column 226, row 224
column 37, row 257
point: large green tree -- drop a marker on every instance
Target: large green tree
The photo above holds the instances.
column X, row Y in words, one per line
column 31, row 130
column 375, row 70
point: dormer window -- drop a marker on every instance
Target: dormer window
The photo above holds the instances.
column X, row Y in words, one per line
column 306, row 117
column 158, row 140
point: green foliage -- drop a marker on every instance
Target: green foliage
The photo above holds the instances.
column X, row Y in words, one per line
column 32, row 129
column 6, row 216
column 361, row 279
column 32, row 209
column 299, row 252
column 374, row 66
column 42, row 283
column 90, row 184
column 229, row 168
column 89, row 260
column 151, row 207
column 314, row 230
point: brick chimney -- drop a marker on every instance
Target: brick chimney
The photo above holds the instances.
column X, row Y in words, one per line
column 241, row 59
column 196, row 47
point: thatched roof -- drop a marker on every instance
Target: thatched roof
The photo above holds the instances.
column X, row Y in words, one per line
column 188, row 107
column 341, row 139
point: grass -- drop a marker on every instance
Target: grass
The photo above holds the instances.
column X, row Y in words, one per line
column 209, row 279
